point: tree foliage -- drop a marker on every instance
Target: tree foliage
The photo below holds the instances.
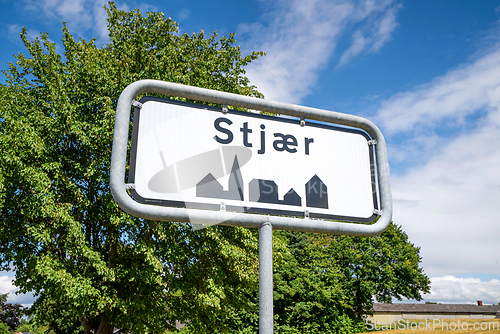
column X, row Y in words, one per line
column 30, row 326
column 3, row 299
column 330, row 281
column 88, row 263
column 10, row 314
column 4, row 329
column 326, row 283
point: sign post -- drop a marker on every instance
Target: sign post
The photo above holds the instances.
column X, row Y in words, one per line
column 266, row 279
column 312, row 170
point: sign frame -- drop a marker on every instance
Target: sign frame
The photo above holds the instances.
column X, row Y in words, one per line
column 120, row 188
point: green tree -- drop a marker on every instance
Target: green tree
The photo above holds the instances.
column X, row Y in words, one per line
column 28, row 327
column 10, row 314
column 328, row 282
column 3, row 299
column 89, row 264
column 4, row 329
column 308, row 293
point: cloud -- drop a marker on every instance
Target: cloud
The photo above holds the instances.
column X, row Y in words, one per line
column 6, row 286
column 450, row 98
column 82, row 16
column 13, row 32
column 449, row 206
column 372, row 36
column 86, row 18
column 447, row 200
column 449, row 289
column 184, row 14
column 301, row 37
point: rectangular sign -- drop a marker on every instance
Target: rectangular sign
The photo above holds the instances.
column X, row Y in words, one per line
column 199, row 157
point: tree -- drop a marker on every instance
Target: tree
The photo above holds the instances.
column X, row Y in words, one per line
column 326, row 283
column 309, row 297
column 88, row 263
column 10, row 314
column 4, row 329
column 329, row 282
column 3, row 299
column 30, row 326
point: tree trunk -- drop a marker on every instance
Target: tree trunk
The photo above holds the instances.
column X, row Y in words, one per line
column 87, row 325
column 112, row 247
column 105, row 327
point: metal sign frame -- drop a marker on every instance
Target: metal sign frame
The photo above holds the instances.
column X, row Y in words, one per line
column 120, row 188
column 265, row 223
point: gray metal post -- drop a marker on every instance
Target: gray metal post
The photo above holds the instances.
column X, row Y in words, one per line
column 266, row 279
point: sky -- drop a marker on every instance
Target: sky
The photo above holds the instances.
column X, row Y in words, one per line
column 427, row 73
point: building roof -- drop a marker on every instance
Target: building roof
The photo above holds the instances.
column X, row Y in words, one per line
column 436, row 308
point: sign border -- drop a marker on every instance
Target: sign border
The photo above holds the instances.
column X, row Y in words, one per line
column 240, row 208
column 120, row 189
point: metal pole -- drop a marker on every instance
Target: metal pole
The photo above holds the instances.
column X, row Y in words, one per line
column 266, row 279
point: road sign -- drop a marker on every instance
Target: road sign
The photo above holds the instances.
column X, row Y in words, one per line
column 302, row 170
column 198, row 157
column 208, row 165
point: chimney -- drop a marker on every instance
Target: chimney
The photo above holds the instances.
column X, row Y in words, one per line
column 479, row 303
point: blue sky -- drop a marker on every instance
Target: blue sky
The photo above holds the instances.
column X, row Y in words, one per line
column 426, row 72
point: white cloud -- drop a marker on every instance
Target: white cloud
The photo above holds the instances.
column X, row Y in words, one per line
column 100, row 17
column 372, row 36
column 384, row 28
column 184, row 14
column 6, row 286
column 449, row 289
column 82, row 16
column 14, row 33
column 451, row 97
column 300, row 37
column 448, row 202
column 449, row 207
column 85, row 18
column 358, row 44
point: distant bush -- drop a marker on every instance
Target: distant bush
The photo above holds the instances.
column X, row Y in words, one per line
column 4, row 329
column 32, row 329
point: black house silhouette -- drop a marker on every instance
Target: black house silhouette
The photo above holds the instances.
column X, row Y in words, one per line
column 316, row 193
column 266, row 191
column 262, row 191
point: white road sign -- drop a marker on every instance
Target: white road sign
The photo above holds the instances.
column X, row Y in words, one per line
column 199, row 157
